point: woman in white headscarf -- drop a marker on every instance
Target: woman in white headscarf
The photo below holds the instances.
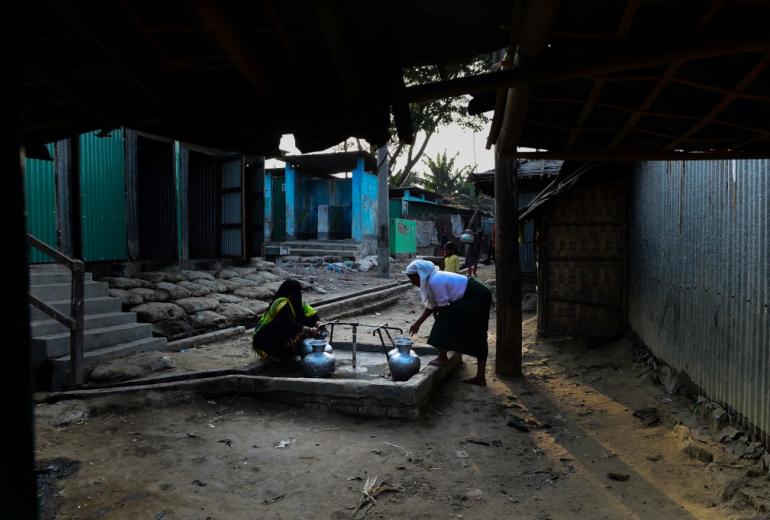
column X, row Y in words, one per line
column 461, row 309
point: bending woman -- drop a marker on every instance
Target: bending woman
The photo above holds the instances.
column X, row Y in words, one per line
column 284, row 325
column 460, row 306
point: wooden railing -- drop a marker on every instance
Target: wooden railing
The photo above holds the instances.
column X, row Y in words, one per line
column 74, row 322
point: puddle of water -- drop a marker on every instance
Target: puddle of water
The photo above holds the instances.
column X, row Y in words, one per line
column 369, row 366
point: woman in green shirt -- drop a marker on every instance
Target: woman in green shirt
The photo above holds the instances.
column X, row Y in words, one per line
column 288, row 320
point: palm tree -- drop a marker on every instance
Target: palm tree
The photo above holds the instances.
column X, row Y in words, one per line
column 441, row 177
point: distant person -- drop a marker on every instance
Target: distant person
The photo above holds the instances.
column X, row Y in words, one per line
column 281, row 329
column 490, row 249
column 444, row 240
column 451, row 260
column 472, row 254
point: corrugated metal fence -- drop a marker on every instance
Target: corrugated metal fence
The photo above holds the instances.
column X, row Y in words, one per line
column 699, row 275
column 40, row 192
column 103, row 196
column 231, row 207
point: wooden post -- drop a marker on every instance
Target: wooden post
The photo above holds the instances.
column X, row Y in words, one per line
column 18, row 494
column 63, row 164
column 132, row 193
column 383, row 224
column 507, row 269
column 182, row 166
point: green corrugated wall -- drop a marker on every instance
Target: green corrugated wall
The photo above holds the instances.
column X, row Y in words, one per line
column 103, row 200
column 40, row 195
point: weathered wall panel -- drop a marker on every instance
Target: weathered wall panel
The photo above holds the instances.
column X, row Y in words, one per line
column 699, row 276
column 103, row 196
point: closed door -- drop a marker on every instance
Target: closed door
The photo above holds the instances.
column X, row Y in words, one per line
column 279, row 209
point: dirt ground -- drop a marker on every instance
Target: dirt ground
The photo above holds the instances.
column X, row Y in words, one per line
column 172, row 456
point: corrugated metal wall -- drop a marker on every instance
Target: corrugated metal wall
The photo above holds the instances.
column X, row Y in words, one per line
column 231, row 207
column 156, row 200
column 699, row 276
column 103, row 196
column 40, row 194
column 203, row 205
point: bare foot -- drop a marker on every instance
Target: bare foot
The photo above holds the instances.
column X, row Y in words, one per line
column 438, row 362
column 478, row 381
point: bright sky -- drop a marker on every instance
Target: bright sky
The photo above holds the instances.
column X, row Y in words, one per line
column 452, row 139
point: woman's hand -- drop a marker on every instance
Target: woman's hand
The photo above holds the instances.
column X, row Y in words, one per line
column 414, row 328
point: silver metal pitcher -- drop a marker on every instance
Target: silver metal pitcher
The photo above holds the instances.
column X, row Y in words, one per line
column 306, row 347
column 402, row 360
column 319, row 363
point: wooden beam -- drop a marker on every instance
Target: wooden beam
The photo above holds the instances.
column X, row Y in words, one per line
column 648, row 113
column 665, row 79
column 660, row 85
column 721, row 90
column 531, row 29
column 517, row 78
column 103, row 42
column 329, row 16
column 508, row 353
column 534, row 25
column 232, row 43
column 747, row 80
column 619, row 155
column 280, row 29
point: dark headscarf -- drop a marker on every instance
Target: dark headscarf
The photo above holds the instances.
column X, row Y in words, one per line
column 292, row 290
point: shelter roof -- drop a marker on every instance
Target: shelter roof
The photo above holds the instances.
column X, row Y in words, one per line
column 238, row 75
column 326, row 163
column 642, row 79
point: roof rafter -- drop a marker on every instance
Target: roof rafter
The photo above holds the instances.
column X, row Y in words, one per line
column 747, row 79
column 665, row 79
column 632, row 6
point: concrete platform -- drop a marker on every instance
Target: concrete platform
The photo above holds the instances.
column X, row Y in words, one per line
column 367, row 391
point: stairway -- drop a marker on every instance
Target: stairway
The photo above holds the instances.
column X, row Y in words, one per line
column 109, row 332
column 345, row 249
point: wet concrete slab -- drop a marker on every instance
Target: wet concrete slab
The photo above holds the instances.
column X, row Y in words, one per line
column 366, row 391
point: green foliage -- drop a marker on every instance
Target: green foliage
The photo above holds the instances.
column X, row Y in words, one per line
column 442, row 177
column 428, row 117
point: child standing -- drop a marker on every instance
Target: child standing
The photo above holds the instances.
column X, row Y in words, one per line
column 451, row 260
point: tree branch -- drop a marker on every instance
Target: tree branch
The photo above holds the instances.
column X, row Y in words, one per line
column 412, row 161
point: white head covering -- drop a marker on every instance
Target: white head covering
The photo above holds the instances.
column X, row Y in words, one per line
column 424, row 269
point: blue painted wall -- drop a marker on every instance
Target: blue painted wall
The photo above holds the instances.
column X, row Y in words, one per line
column 267, row 217
column 364, row 211
column 291, row 200
column 355, row 200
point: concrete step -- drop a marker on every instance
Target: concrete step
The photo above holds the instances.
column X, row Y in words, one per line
column 99, row 305
column 94, row 321
column 56, row 345
column 345, row 253
column 60, row 291
column 95, row 357
column 42, row 277
column 332, row 246
column 53, row 267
